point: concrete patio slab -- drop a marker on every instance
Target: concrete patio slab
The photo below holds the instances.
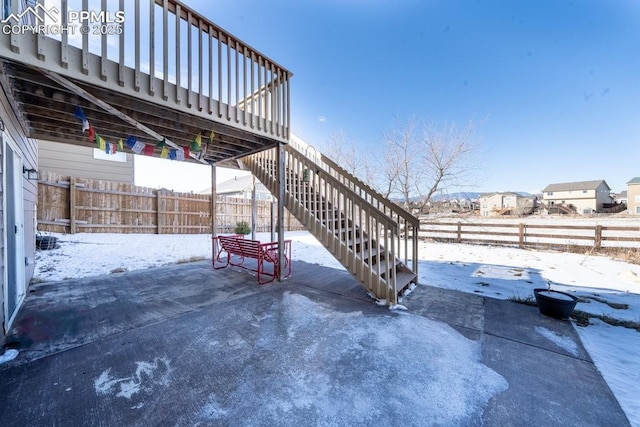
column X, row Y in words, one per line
column 184, row 345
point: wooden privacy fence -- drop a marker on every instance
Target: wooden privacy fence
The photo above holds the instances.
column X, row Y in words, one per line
column 77, row 205
column 533, row 235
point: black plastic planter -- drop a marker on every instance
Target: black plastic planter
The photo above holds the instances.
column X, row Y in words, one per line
column 556, row 304
column 46, row 242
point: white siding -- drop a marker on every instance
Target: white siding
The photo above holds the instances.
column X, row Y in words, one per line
column 78, row 161
column 27, row 149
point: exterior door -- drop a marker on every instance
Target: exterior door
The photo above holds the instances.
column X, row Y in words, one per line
column 14, row 231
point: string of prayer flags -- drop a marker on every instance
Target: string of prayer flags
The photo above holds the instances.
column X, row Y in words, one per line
column 139, row 147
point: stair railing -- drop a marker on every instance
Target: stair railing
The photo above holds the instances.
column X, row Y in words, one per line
column 361, row 236
column 408, row 224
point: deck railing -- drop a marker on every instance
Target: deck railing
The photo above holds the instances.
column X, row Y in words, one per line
column 160, row 49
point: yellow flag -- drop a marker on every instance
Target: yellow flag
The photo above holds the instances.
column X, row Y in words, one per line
column 196, row 144
column 164, row 154
column 213, row 135
column 120, row 145
column 101, row 143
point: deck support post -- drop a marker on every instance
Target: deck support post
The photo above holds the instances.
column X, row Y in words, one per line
column 254, row 208
column 280, row 220
column 214, row 196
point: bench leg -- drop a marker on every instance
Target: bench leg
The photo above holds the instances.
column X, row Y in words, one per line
column 262, row 273
column 216, row 252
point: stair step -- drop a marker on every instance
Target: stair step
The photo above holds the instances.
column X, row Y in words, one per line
column 403, row 279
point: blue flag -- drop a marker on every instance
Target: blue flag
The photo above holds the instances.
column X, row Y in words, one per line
column 80, row 114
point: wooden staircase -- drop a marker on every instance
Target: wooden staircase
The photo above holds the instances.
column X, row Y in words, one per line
column 372, row 237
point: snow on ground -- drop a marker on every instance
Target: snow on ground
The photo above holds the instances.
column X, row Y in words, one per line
column 605, row 286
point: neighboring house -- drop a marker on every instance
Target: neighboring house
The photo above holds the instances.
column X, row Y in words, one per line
column 505, row 203
column 18, row 198
column 85, row 162
column 585, row 196
column 240, row 186
column 633, row 196
column 622, row 197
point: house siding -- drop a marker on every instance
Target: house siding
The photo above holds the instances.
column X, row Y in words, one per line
column 633, row 199
column 491, row 204
column 77, row 161
column 28, row 150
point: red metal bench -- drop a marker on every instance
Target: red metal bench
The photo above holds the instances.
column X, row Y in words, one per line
column 264, row 253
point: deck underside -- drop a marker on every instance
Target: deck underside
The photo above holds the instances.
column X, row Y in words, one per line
column 47, row 110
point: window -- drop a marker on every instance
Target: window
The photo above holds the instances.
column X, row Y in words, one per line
column 117, row 157
column 637, row 198
column 584, row 191
column 638, row 209
column 550, row 193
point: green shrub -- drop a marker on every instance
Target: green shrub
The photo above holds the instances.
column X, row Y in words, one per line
column 243, row 228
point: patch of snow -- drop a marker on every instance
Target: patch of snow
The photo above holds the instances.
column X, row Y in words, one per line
column 143, row 378
column 8, row 355
column 556, row 295
column 561, row 341
column 616, row 353
column 432, row 367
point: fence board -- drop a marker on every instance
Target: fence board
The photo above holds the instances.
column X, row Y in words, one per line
column 112, row 207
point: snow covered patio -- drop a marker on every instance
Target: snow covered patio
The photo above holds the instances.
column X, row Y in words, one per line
column 185, row 345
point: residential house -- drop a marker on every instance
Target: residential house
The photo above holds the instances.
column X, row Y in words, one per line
column 633, row 196
column 585, row 196
column 240, row 186
column 502, row 203
column 622, row 197
column 85, row 162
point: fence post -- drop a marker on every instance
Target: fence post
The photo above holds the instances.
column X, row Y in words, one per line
column 598, row 239
column 72, row 205
column 158, row 211
column 521, row 236
column 459, row 232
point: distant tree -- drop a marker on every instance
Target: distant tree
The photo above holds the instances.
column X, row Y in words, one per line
column 346, row 153
column 423, row 159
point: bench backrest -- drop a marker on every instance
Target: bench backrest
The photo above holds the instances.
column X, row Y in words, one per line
column 239, row 246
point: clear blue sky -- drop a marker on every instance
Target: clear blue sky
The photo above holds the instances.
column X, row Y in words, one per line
column 556, row 84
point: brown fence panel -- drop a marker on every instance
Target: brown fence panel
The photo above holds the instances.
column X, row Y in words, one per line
column 74, row 205
column 534, row 235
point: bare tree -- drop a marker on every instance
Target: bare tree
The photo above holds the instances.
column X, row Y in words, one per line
column 346, row 153
column 421, row 160
column 400, row 167
column 447, row 158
